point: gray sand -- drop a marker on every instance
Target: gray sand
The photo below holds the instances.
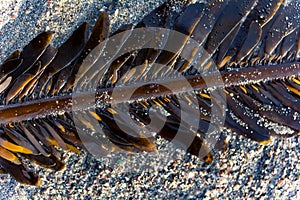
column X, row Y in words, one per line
column 246, row 169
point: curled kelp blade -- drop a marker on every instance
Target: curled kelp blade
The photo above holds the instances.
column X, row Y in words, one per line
column 238, row 36
column 19, row 172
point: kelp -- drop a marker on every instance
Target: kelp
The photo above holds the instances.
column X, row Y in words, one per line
column 253, row 44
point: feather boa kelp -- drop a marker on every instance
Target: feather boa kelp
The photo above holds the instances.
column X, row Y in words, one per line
column 253, row 44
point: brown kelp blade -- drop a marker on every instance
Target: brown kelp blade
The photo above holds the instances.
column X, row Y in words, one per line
column 20, row 173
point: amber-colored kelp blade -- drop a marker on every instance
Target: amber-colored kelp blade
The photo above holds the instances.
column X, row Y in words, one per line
column 5, row 84
column 50, row 162
column 22, row 81
column 70, row 50
column 189, row 19
column 8, row 67
column 282, row 30
column 285, row 101
column 234, row 13
column 60, row 80
column 163, row 16
column 130, row 138
column 32, row 88
column 187, row 140
column 185, row 24
column 7, row 155
column 255, row 131
column 88, row 71
column 20, row 173
column 221, row 58
column 252, row 39
column 69, row 133
column 99, row 33
column 67, row 53
column 14, row 148
column 56, row 136
column 272, row 114
column 19, row 139
column 32, row 52
column 202, row 30
column 262, row 13
column 33, row 140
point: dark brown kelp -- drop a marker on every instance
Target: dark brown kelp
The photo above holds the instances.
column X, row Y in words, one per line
column 255, row 45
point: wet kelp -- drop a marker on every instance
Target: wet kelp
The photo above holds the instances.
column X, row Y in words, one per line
column 254, row 45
